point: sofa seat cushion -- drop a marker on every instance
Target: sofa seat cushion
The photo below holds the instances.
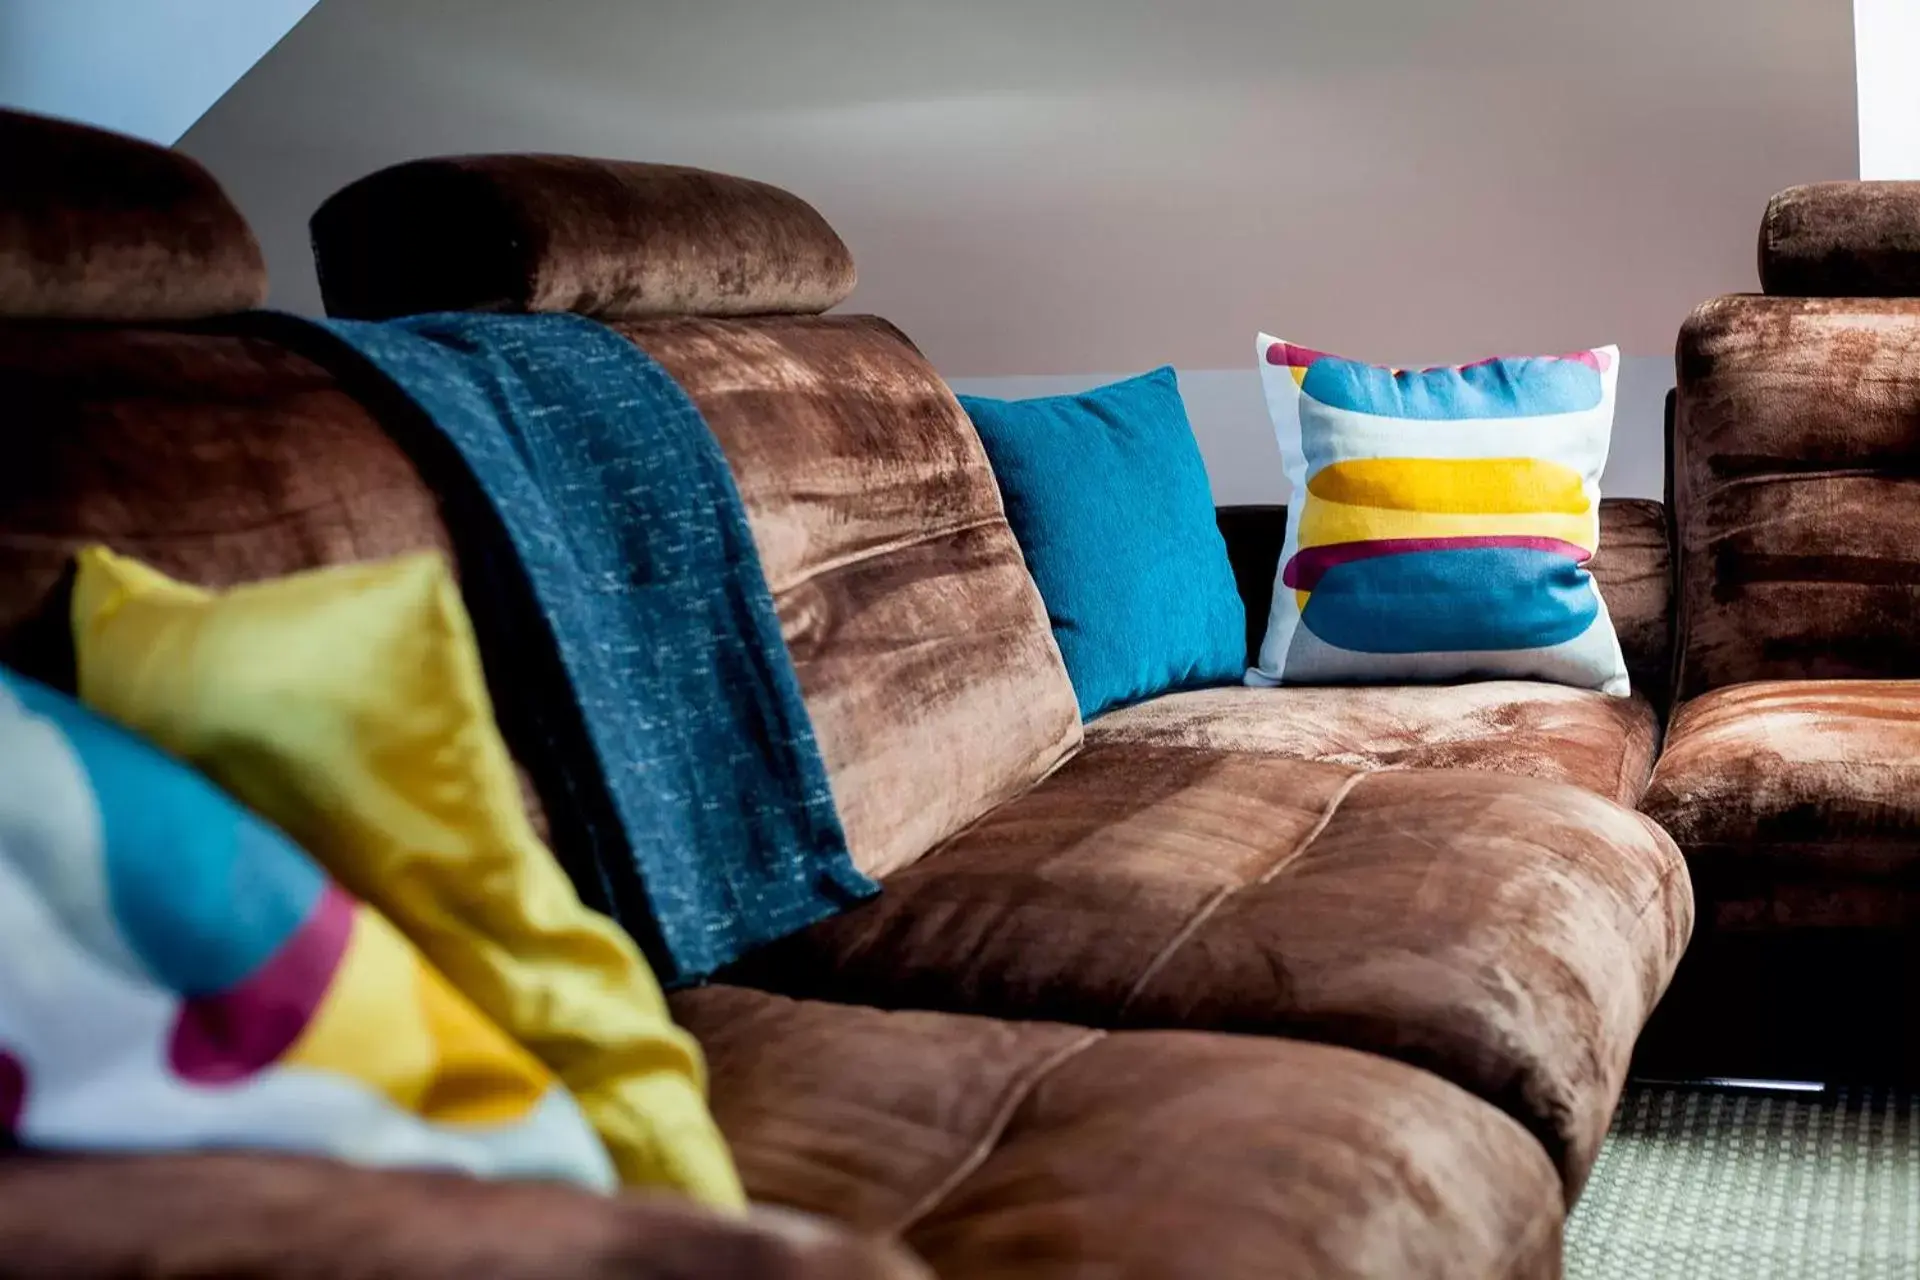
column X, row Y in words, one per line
column 1032, row 1149
column 1509, row 934
column 1521, row 727
column 262, row 1216
column 1798, row 801
column 1797, row 805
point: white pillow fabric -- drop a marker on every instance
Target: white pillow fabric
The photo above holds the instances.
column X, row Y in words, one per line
column 1441, row 520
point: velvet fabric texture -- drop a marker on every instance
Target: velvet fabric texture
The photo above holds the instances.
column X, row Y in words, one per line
column 1794, row 491
column 1459, row 921
column 1842, row 240
column 1109, row 501
column 217, row 459
column 606, row 238
column 1797, row 803
column 269, row 1217
column 1633, row 569
column 98, row 226
column 1810, row 789
column 935, row 686
column 1044, row 1151
column 1520, row 727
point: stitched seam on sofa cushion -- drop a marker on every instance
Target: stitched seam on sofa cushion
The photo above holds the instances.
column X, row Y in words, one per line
column 1211, row 906
column 1620, row 796
column 989, row 1140
column 1659, row 897
column 918, row 538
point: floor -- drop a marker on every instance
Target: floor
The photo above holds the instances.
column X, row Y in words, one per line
column 1734, row 1182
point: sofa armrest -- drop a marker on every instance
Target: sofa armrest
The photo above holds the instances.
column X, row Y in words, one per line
column 169, row 1217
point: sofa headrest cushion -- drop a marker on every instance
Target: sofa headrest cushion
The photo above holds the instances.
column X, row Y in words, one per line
column 1842, row 240
column 99, row 226
column 612, row 239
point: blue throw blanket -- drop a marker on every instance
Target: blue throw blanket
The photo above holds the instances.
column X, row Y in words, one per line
column 629, row 634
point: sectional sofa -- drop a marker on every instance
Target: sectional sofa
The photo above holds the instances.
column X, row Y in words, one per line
column 1789, row 772
column 1304, row 982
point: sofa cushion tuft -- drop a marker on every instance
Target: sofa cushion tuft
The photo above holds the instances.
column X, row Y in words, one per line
column 1040, row 1151
column 1508, row 934
column 1517, row 727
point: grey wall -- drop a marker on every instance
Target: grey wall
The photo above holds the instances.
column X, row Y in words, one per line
column 1077, row 187
column 145, row 67
column 1229, row 414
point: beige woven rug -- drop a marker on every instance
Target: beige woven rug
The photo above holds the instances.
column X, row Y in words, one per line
column 1705, row 1184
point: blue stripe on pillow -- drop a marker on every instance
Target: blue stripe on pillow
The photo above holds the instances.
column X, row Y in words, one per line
column 201, row 915
column 1470, row 599
column 1517, row 387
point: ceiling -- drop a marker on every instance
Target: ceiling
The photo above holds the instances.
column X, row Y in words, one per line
column 147, row 69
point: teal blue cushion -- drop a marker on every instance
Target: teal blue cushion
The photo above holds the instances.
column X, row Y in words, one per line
column 1109, row 500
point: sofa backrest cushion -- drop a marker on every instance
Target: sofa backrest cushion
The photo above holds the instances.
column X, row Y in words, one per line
column 97, row 226
column 1842, row 240
column 218, row 459
column 1796, row 490
column 1634, row 571
column 605, row 238
column 922, row 646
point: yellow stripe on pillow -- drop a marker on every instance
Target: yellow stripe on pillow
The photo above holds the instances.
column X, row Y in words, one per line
column 444, row 1062
column 1326, row 523
column 1462, row 486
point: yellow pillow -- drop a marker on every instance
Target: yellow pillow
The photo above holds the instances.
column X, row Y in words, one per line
column 348, row 707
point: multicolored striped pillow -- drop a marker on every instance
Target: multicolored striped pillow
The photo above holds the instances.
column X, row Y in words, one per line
column 1441, row 520
column 176, row 974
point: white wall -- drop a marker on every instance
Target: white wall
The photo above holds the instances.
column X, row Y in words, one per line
column 1069, row 188
column 1887, row 57
column 145, row 67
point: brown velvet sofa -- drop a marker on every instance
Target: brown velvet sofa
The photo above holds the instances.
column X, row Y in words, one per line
column 1233, row 983
column 1791, row 773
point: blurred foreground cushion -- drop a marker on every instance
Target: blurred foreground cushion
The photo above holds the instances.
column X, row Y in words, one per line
column 175, row 974
column 348, row 706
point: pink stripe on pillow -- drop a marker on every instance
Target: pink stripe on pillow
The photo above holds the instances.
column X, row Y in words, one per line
column 227, row 1037
column 1289, row 356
